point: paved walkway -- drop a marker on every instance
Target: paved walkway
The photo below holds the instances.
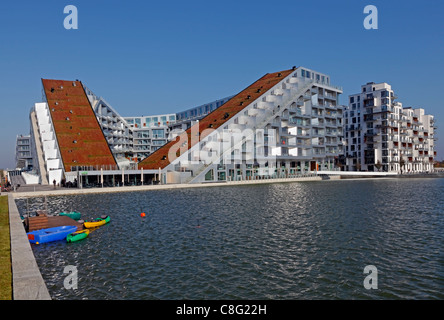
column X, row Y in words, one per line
column 27, row 281
column 39, row 192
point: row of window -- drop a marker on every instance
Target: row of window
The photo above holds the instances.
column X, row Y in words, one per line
column 24, row 154
column 200, row 111
column 312, row 75
column 151, row 121
column 384, row 94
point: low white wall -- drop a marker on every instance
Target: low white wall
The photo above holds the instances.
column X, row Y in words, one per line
column 55, row 175
column 31, row 178
column 177, row 177
column 356, row 173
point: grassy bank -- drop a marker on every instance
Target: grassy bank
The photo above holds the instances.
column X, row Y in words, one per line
column 5, row 251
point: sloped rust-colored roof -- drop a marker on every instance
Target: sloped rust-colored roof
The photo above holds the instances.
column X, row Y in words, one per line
column 159, row 158
column 79, row 135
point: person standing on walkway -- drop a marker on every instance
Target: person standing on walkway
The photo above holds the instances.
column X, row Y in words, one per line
column 54, row 182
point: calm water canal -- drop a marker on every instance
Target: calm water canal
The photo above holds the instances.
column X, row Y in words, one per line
column 307, row 240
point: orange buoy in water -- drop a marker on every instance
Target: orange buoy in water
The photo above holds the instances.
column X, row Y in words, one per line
column 142, row 214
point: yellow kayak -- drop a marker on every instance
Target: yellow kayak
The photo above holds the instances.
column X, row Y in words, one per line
column 96, row 223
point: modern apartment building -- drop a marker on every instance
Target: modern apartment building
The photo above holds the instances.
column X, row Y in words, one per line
column 149, row 133
column 382, row 135
column 116, row 130
column 285, row 123
column 23, row 152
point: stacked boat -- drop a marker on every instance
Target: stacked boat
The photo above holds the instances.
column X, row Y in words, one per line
column 68, row 233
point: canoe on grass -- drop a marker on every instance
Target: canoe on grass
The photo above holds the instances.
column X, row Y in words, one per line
column 73, row 214
column 77, row 236
column 97, row 223
column 50, row 234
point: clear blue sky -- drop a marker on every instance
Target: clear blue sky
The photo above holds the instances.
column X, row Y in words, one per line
column 152, row 57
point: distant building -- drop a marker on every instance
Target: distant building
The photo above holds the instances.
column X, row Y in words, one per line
column 382, row 135
column 23, row 152
column 149, row 133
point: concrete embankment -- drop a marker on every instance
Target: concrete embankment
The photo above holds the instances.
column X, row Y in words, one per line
column 27, row 281
column 39, row 191
column 75, row 191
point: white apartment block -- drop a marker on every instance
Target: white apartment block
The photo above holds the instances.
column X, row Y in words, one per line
column 382, row 135
column 149, row 133
column 117, row 131
column 23, row 152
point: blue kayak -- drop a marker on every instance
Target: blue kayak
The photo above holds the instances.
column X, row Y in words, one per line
column 50, row 234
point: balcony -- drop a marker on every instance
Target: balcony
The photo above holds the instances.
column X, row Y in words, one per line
column 286, row 132
column 318, row 106
column 330, row 124
column 299, row 122
column 329, row 96
column 329, row 114
column 276, row 123
column 317, row 123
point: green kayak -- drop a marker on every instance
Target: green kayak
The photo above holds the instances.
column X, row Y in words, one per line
column 77, row 236
column 73, row 215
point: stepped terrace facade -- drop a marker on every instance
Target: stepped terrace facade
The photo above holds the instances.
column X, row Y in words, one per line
column 285, row 123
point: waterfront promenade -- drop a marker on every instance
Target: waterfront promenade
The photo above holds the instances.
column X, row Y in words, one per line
column 39, row 191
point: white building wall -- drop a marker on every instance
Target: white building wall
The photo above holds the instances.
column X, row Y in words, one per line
column 51, row 154
column 381, row 131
